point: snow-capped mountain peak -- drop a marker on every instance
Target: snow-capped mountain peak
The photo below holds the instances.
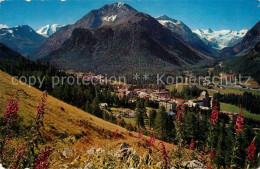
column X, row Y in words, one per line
column 21, row 38
column 3, row 26
column 222, row 38
column 48, row 30
column 164, row 20
column 119, row 4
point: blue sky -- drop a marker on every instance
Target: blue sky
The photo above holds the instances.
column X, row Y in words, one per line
column 214, row 14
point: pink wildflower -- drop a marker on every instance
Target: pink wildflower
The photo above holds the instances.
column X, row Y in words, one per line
column 41, row 108
column 192, row 144
column 239, row 126
column 18, row 158
column 19, row 153
column 10, row 116
column 251, row 151
column 164, row 154
column 214, row 115
column 209, row 167
column 115, row 133
column 41, row 162
column 139, row 135
column 212, row 153
column 151, row 141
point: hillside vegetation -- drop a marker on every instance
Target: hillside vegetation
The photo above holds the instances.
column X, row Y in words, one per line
column 78, row 129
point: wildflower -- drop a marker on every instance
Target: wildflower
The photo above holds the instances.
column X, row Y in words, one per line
column 192, row 144
column 10, row 116
column 18, row 156
column 212, row 153
column 251, row 151
column 115, row 133
column 209, row 167
column 239, row 126
column 41, row 162
column 164, row 154
column 214, row 115
column 151, row 141
column 139, row 135
column 41, row 109
column 19, row 153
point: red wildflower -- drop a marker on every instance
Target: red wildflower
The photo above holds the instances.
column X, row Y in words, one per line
column 214, row 115
column 239, row 126
column 209, row 167
column 164, row 154
column 19, row 153
column 41, row 162
column 212, row 153
column 192, row 144
column 151, row 141
column 41, row 108
column 139, row 135
column 18, row 156
column 251, row 151
column 10, row 116
column 115, row 133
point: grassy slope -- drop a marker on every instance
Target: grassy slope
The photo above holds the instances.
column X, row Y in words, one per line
column 73, row 121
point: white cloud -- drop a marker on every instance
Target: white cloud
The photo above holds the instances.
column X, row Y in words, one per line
column 1, row 1
column 62, row 0
column 28, row 0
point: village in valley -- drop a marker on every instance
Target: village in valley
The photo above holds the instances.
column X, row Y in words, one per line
column 163, row 97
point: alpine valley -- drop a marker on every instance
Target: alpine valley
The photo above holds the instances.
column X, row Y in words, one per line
column 118, row 88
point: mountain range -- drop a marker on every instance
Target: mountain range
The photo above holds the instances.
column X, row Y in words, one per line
column 186, row 34
column 253, row 62
column 206, row 40
column 247, row 64
column 3, row 26
column 48, row 30
column 251, row 39
column 93, row 19
column 22, row 39
column 117, row 37
column 220, row 39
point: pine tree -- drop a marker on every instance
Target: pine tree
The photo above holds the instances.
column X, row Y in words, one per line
column 152, row 116
column 161, row 123
column 95, row 108
column 140, row 113
column 146, row 103
column 122, row 123
column 190, row 126
column 229, row 141
column 88, row 107
column 220, row 154
column 140, row 117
